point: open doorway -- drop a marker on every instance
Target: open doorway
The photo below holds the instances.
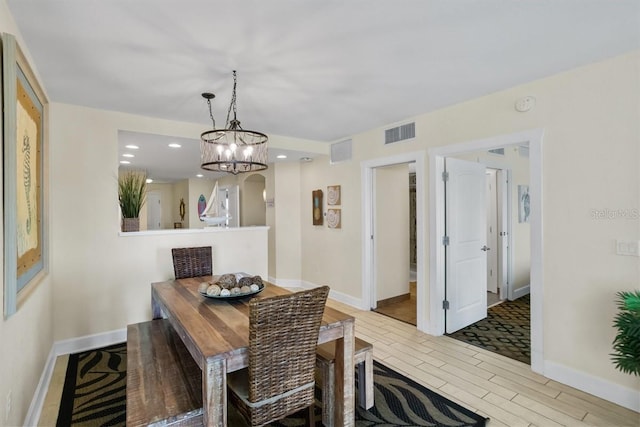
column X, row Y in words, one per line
column 395, row 243
column 504, row 325
column 437, row 288
column 371, row 255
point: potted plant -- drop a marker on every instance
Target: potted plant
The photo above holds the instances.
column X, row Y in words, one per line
column 132, row 191
column 627, row 341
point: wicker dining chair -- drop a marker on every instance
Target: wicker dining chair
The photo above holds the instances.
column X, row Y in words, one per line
column 192, row 262
column 283, row 334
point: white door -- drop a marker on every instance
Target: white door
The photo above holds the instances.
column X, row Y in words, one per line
column 154, row 211
column 466, row 256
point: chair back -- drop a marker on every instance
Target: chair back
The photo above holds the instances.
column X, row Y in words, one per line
column 192, row 262
column 283, row 335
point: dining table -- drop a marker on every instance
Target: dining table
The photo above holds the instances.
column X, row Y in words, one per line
column 216, row 333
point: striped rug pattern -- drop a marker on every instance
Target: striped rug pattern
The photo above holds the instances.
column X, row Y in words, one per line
column 94, row 394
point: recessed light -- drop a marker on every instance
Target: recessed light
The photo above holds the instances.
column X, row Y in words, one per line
column 128, row 155
column 125, row 162
column 149, row 180
column 199, row 175
column 132, row 147
column 306, row 159
column 281, row 156
column 175, row 145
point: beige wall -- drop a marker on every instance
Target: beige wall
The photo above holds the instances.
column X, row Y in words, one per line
column 288, row 216
column 26, row 337
column 591, row 159
column 168, row 205
column 252, row 204
column 181, row 191
column 590, row 114
column 328, row 256
column 391, row 231
column 197, row 187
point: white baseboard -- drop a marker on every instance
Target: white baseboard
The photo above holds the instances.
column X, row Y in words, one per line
column 338, row 296
column 35, row 408
column 88, row 342
column 520, row 292
column 285, row 283
column 72, row 345
column 620, row 395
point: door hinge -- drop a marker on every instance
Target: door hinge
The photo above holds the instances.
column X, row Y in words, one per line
column 445, row 176
column 445, row 305
column 445, row 240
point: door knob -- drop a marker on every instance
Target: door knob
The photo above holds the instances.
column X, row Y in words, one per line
column 485, row 248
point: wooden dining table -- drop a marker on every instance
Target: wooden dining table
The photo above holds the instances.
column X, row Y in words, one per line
column 216, row 333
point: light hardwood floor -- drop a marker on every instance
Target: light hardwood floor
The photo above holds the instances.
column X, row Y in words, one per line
column 492, row 385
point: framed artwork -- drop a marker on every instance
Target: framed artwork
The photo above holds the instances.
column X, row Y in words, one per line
column 524, row 209
column 333, row 195
column 316, row 206
column 334, row 219
column 25, row 238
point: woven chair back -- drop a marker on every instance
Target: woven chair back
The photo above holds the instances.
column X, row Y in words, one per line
column 192, row 262
column 283, row 335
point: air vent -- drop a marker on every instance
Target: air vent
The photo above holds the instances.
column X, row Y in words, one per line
column 400, row 133
column 497, row 151
column 341, row 151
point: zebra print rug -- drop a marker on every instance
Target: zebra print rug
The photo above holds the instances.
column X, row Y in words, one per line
column 94, row 394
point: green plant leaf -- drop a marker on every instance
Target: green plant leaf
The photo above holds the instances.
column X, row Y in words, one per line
column 626, row 344
column 132, row 190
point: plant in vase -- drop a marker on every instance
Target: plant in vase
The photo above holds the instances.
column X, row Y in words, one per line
column 132, row 191
column 626, row 344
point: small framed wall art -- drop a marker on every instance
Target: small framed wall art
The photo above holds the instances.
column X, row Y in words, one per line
column 316, row 200
column 334, row 219
column 333, row 195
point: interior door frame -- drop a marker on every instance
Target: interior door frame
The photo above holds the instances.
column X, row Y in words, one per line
column 368, row 238
column 437, row 155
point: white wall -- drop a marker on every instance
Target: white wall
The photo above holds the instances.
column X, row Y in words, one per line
column 27, row 336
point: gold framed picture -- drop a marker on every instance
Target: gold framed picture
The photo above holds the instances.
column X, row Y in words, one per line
column 25, row 250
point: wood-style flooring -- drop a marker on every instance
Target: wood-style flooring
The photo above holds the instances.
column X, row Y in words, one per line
column 401, row 308
column 505, row 390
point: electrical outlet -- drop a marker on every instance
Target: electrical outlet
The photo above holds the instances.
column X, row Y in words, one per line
column 628, row 247
column 7, row 407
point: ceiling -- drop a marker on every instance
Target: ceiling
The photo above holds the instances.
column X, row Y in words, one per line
column 318, row 70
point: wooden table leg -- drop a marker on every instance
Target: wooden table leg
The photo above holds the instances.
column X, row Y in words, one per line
column 156, row 311
column 345, row 378
column 214, row 393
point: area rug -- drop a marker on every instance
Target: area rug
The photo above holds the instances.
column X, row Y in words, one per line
column 94, row 394
column 506, row 330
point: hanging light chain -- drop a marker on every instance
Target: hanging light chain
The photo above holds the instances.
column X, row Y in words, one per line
column 213, row 121
column 233, row 124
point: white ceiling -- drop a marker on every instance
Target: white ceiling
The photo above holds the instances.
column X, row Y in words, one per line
column 319, row 70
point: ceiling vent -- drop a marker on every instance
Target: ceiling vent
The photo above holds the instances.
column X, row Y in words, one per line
column 400, row 133
column 341, row 151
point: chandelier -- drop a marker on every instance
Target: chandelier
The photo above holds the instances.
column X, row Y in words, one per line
column 232, row 149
